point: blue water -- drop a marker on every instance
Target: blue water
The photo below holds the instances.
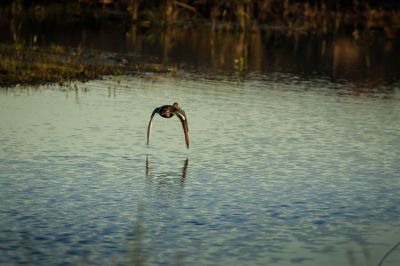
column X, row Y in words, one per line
column 280, row 171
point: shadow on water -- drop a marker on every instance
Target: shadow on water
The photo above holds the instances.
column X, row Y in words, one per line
column 137, row 254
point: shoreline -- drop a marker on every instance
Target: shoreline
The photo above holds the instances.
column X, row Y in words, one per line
column 41, row 42
column 21, row 65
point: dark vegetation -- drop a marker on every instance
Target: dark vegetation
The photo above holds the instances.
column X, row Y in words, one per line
column 318, row 16
column 33, row 60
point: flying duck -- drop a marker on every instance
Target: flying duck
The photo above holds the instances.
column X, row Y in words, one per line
column 168, row 111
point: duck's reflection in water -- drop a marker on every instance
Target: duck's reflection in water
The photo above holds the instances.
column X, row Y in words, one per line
column 158, row 175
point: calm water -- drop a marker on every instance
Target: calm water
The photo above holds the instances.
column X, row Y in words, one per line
column 281, row 171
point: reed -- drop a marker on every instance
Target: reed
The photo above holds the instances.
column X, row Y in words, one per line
column 316, row 17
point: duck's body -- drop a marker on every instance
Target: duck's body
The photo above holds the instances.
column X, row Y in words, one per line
column 168, row 111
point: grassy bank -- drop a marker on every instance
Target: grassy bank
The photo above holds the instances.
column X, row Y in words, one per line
column 56, row 64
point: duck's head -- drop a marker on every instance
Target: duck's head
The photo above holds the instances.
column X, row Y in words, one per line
column 176, row 106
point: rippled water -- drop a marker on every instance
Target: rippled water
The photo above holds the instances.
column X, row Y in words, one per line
column 281, row 171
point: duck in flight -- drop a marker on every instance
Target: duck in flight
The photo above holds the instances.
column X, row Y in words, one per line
column 168, row 111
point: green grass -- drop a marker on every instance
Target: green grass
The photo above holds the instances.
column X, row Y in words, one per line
column 56, row 64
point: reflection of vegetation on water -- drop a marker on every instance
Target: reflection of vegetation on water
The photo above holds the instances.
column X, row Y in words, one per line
column 388, row 253
column 353, row 259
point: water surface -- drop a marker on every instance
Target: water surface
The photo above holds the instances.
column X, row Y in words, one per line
column 281, row 171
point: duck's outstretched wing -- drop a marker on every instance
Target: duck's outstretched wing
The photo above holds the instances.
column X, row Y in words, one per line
column 150, row 125
column 182, row 116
